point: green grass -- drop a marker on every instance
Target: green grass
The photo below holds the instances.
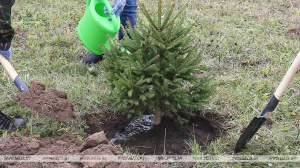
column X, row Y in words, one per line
column 244, row 44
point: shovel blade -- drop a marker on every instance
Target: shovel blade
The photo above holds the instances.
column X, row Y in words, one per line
column 246, row 136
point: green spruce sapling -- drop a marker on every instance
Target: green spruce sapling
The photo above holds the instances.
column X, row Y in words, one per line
column 158, row 72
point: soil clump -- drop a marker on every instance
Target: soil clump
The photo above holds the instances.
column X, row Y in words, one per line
column 50, row 103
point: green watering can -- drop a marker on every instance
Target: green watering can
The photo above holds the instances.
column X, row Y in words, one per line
column 94, row 26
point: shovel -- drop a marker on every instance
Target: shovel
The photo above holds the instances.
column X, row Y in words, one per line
column 258, row 121
column 13, row 74
column 6, row 122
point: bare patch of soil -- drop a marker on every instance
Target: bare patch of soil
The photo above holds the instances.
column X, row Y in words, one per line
column 169, row 137
column 50, row 103
column 95, row 144
column 54, row 104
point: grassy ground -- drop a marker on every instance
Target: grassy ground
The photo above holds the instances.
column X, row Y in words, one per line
column 245, row 44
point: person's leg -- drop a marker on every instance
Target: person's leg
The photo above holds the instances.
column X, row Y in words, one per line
column 6, row 36
column 125, row 16
column 7, row 54
column 128, row 14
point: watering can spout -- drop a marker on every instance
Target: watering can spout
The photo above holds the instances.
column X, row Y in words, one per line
column 94, row 26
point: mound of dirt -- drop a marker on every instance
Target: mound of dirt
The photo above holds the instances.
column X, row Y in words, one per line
column 95, row 144
column 50, row 103
column 169, row 137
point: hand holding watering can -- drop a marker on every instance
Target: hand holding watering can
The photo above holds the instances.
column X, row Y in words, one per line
column 117, row 8
column 94, row 26
column 102, row 18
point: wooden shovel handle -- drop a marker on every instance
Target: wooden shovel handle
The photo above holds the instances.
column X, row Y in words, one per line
column 7, row 66
column 288, row 77
column 13, row 74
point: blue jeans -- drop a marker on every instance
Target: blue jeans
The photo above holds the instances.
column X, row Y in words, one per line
column 129, row 13
column 7, row 54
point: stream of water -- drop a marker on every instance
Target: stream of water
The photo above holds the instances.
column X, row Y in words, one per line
column 137, row 126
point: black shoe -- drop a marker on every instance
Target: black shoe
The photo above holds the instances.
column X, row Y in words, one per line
column 9, row 124
column 93, row 59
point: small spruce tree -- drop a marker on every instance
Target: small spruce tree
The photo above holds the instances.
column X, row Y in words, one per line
column 158, row 72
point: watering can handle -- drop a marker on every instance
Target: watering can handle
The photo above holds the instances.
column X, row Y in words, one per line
column 87, row 4
column 106, row 2
column 108, row 5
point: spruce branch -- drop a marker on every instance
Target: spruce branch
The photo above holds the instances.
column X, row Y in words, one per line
column 174, row 18
column 145, row 12
column 175, row 42
column 152, row 60
column 124, row 32
column 185, row 31
column 158, row 43
column 169, row 33
column 141, row 61
column 159, row 15
column 186, row 60
column 130, row 74
column 156, row 34
column 132, row 32
column 168, row 17
column 145, row 33
column 153, row 9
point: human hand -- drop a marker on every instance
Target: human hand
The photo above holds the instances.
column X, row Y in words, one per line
column 117, row 8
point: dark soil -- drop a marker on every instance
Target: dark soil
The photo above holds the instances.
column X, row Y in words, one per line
column 169, row 135
column 50, row 103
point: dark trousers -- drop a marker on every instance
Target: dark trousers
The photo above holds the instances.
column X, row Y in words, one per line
column 129, row 13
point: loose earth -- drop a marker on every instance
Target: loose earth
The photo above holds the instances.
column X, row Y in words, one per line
column 50, row 103
column 168, row 138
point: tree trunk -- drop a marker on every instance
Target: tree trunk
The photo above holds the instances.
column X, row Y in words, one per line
column 157, row 117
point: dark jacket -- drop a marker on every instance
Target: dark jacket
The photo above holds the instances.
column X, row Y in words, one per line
column 6, row 30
